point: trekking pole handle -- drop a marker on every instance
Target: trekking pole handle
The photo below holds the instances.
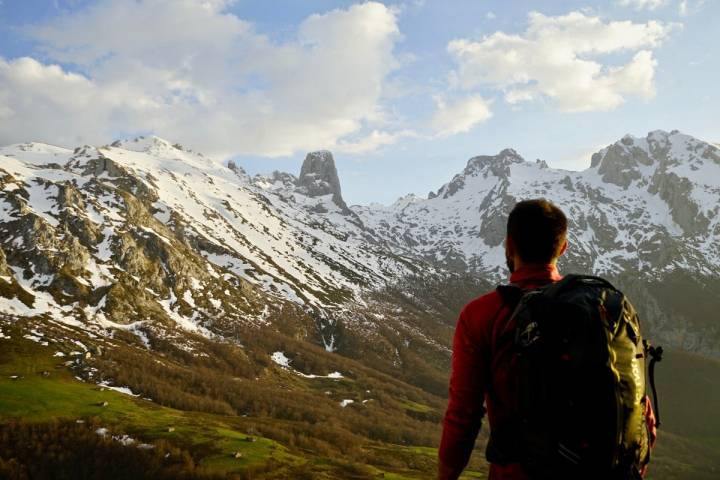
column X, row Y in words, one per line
column 655, row 356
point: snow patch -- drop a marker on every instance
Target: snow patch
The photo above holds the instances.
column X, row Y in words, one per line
column 123, row 390
column 124, row 440
column 280, row 359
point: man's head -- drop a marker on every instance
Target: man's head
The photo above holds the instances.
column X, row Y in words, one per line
column 536, row 233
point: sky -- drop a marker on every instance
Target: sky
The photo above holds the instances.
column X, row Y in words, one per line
column 402, row 92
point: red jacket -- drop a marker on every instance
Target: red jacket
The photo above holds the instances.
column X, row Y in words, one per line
column 480, row 373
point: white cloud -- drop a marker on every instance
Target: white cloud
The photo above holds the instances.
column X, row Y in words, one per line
column 459, row 116
column 688, row 7
column 373, row 141
column 43, row 101
column 685, row 7
column 490, row 15
column 556, row 58
column 643, row 4
column 191, row 71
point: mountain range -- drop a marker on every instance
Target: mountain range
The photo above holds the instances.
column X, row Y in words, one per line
column 159, row 273
column 151, row 238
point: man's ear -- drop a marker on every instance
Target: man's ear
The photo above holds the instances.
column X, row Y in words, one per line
column 509, row 247
column 563, row 248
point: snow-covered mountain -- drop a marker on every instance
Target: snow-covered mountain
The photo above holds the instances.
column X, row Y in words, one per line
column 646, row 213
column 142, row 233
column 645, row 204
column 147, row 237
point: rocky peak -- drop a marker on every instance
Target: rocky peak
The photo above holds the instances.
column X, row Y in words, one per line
column 405, row 200
column 239, row 171
column 159, row 147
column 626, row 160
column 236, row 168
column 619, row 163
column 149, row 143
column 495, row 165
column 498, row 165
column 662, row 163
column 622, row 162
column 318, row 177
column 276, row 180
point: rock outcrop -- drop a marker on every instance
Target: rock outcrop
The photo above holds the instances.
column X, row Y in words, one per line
column 319, row 177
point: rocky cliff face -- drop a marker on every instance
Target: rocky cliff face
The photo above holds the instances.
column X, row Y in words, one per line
column 147, row 238
column 319, row 177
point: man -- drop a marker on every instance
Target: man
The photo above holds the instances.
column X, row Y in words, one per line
column 536, row 238
column 563, row 397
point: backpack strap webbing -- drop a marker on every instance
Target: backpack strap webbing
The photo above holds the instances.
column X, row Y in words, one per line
column 511, row 295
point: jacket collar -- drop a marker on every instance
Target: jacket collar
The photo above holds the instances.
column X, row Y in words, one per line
column 536, row 272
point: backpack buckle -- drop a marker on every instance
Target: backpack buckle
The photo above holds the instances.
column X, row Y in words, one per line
column 529, row 335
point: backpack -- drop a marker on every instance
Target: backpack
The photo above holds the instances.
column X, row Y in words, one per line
column 578, row 368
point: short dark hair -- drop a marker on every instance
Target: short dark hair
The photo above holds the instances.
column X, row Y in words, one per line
column 537, row 228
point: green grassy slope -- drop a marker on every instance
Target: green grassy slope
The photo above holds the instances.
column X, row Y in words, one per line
column 212, row 440
column 59, row 396
column 688, row 448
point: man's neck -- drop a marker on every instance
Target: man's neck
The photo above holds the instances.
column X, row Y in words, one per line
column 535, row 270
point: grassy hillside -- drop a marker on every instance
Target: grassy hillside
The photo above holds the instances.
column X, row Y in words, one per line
column 41, row 398
column 30, row 396
column 220, row 417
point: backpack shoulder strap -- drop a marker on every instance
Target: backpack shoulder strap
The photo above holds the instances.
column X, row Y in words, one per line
column 510, row 294
column 572, row 280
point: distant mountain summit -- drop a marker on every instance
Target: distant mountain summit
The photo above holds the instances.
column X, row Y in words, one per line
column 681, row 170
column 318, row 177
column 663, row 186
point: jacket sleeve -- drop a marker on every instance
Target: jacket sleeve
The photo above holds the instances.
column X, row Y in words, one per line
column 470, row 358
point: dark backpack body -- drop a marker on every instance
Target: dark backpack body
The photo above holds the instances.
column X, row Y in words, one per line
column 579, row 373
